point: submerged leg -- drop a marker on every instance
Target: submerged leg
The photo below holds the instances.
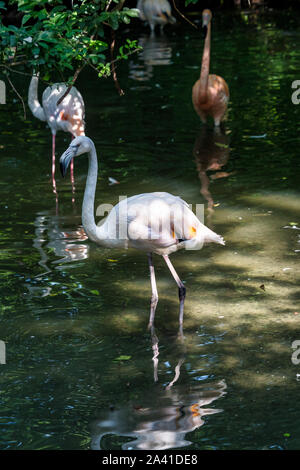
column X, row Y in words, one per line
column 152, row 28
column 154, row 298
column 181, row 289
column 155, row 350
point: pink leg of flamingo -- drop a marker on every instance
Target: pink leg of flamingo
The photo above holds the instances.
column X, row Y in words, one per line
column 53, row 163
column 53, row 172
column 72, row 176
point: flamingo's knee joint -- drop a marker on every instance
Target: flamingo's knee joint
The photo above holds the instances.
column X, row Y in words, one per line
column 181, row 292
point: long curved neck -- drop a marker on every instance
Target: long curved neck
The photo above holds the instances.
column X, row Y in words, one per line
column 33, row 101
column 205, row 66
column 88, row 219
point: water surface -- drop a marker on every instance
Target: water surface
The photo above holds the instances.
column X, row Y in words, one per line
column 81, row 369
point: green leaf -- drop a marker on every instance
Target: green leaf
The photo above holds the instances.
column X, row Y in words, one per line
column 25, row 19
column 122, row 358
column 134, row 12
column 95, row 292
column 64, row 39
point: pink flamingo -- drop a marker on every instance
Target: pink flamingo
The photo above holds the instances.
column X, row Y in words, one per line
column 156, row 12
column 157, row 222
column 68, row 116
column 210, row 93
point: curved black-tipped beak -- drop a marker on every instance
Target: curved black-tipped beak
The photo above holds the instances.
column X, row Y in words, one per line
column 204, row 30
column 65, row 159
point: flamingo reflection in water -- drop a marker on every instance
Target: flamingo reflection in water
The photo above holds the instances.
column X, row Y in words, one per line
column 156, row 51
column 50, row 235
column 211, row 152
column 163, row 425
column 163, row 418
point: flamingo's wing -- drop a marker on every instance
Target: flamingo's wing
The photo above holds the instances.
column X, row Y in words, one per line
column 156, row 222
column 69, row 114
column 159, row 221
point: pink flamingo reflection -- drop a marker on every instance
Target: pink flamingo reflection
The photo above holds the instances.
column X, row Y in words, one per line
column 211, row 152
column 164, row 417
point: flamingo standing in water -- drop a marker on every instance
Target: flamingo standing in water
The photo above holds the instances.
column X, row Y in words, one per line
column 68, row 116
column 210, row 93
column 152, row 222
column 155, row 12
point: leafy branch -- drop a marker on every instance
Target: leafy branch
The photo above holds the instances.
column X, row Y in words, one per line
column 53, row 38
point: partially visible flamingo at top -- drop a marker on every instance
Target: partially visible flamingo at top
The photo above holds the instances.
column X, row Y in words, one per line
column 210, row 93
column 156, row 12
column 68, row 116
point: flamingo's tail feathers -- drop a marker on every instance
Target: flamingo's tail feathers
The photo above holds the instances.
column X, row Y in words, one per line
column 220, row 240
column 212, row 237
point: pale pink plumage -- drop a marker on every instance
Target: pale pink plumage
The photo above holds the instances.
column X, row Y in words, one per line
column 68, row 116
column 156, row 12
column 152, row 222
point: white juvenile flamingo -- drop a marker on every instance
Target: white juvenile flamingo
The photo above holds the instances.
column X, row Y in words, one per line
column 210, row 93
column 68, row 116
column 152, row 222
column 155, row 12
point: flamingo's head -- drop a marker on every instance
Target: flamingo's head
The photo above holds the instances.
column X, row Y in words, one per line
column 206, row 19
column 78, row 146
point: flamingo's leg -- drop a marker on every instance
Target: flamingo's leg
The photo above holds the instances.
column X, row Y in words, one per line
column 53, row 163
column 154, row 298
column 181, row 289
column 72, row 170
column 72, row 175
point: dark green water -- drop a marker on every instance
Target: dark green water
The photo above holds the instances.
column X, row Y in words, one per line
column 74, row 316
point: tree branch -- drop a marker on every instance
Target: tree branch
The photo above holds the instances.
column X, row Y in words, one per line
column 18, row 94
column 112, row 64
column 70, row 86
column 119, row 6
column 181, row 14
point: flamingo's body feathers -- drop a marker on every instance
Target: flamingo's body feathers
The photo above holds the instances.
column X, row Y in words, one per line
column 216, row 99
column 68, row 116
column 155, row 222
column 156, row 12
